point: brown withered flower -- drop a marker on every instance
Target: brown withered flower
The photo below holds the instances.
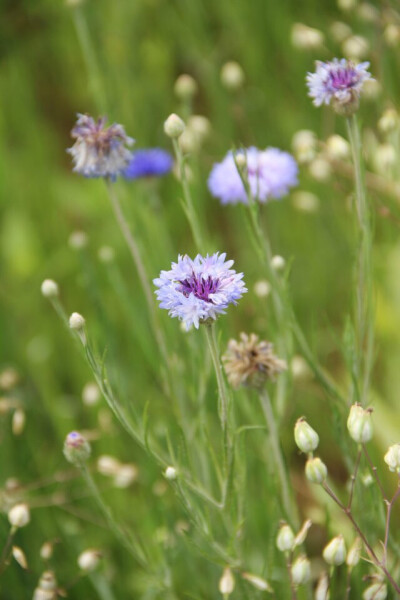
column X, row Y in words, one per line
column 250, row 362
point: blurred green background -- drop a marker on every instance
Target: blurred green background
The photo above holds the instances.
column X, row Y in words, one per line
column 141, row 48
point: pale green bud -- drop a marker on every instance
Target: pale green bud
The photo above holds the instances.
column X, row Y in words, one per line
column 359, row 424
column 316, row 470
column 301, row 570
column 334, row 553
column 392, row 458
column 376, row 591
column 76, row 448
column 285, row 538
column 305, row 437
column 227, row 582
column 174, row 126
column 354, row 554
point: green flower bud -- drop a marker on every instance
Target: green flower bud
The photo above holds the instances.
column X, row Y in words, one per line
column 316, row 470
column 76, row 448
column 305, row 437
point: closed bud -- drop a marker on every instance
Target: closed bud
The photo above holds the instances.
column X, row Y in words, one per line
column 354, row 553
column 384, row 158
column 302, row 534
column 170, row 473
column 355, row 47
column 392, row 458
column 262, row 288
column 185, row 87
column 376, row 591
column 174, row 126
column 301, row 570
column 89, row 560
column 18, row 421
column 319, row 168
column 19, row 556
column 19, row 515
column 316, row 471
column 76, row 448
column 337, row 147
column 391, row 35
column 359, row 424
column 305, row 437
column 49, row 288
column 285, row 538
column 47, row 587
column 304, row 145
column 322, row 589
column 108, row 465
column 76, row 321
column 388, row 121
column 306, row 38
column 334, row 553
column 78, row 240
column 227, row 582
column 125, row 476
column 46, row 551
column 278, row 263
column 232, row 75
column 91, row 394
column 257, row 582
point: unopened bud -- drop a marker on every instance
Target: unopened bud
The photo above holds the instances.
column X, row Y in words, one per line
column 91, row 394
column 316, row 471
column 47, row 587
column 78, row 240
column 320, row 169
column 337, row 147
column 376, row 591
column 108, row 465
column 174, row 126
column 76, row 321
column 46, row 551
column 278, row 263
column 391, row 35
column 392, row 458
column 301, row 570
column 306, row 38
column 125, row 476
column 185, row 87
column 359, row 424
column 170, row 473
column 18, row 421
column 322, row 589
column 227, row 582
column 19, row 556
column 232, row 75
column 340, row 31
column 354, row 553
column 19, row 515
column 106, row 254
column 49, row 288
column 305, row 437
column 305, row 201
column 346, row 5
column 355, row 47
column 89, row 560
column 384, row 158
column 76, row 448
column 285, row 538
column 262, row 288
column 302, row 534
column 334, row 553
column 304, row 145
column 257, row 582
column 388, row 121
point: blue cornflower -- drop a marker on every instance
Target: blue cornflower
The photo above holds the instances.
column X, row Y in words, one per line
column 339, row 83
column 200, row 289
column 99, row 151
column 270, row 173
column 152, row 162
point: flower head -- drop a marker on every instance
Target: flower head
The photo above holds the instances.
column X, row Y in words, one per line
column 270, row 173
column 99, row 151
column 152, row 162
column 200, row 289
column 339, row 83
column 251, row 362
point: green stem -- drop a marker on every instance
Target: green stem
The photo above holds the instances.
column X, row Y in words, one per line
column 287, row 502
column 187, row 202
column 364, row 324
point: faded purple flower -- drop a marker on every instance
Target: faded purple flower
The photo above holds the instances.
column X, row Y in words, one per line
column 151, row 162
column 270, row 174
column 99, row 151
column 200, row 289
column 338, row 82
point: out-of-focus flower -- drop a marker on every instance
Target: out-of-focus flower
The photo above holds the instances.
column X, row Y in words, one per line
column 232, row 75
column 337, row 147
column 338, row 83
column 346, row 5
column 197, row 129
column 257, row 582
column 388, row 121
column 19, row 556
column 19, row 515
column 391, row 35
column 99, row 151
column 262, row 288
column 304, row 37
column 91, row 393
column 356, row 47
column 368, row 13
column 340, row 31
column 392, row 458
column 78, row 240
column 304, row 145
column 270, row 174
column 251, row 362
column 47, row 587
column 354, row 553
column 322, row 589
column 227, row 582
column 49, row 288
column 320, row 169
column 185, row 86
column 170, row 473
column 372, row 89
column 305, row 201
column 200, row 289
column 384, row 158
column 76, row 321
column 151, row 162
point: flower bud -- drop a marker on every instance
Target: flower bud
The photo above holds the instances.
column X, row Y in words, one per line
column 262, row 288
column 19, row 515
column 388, row 121
column 392, row 458
column 125, row 476
column 322, row 589
column 316, row 471
column 46, row 551
column 91, row 394
column 232, row 75
column 305, row 201
column 355, row 47
column 278, row 263
column 174, row 126
column 227, row 582
column 47, row 587
column 170, row 473
column 257, row 582
column 304, row 145
column 305, row 437
column 301, row 570
column 106, row 254
column 302, row 533
column 78, row 240
column 76, row 321
column 359, row 424
column 334, row 553
column 49, row 288
column 18, row 421
column 319, row 168
column 340, row 31
column 376, row 591
column 185, row 86
column 337, row 147
column 89, row 560
column 108, row 465
column 76, row 448
column 384, row 158
column 391, row 35
column 354, row 554
column 285, row 538
column 19, row 556
column 306, row 38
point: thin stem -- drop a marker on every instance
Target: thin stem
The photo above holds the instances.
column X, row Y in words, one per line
column 6, row 550
column 187, row 201
column 288, row 562
column 143, row 277
column 353, row 477
column 287, row 502
column 133, row 547
column 364, row 313
column 375, row 472
column 389, row 507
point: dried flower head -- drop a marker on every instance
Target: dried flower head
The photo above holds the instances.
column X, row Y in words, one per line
column 250, row 362
column 338, row 83
column 99, row 151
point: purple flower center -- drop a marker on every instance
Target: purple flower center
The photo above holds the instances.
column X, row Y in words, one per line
column 343, row 78
column 200, row 287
